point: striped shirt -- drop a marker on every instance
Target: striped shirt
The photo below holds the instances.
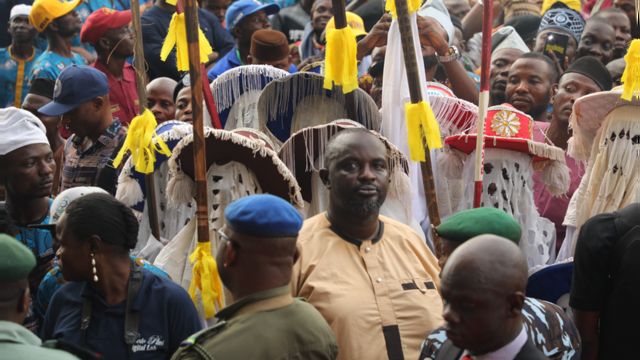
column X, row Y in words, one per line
column 83, row 159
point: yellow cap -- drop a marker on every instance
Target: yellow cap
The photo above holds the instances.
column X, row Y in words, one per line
column 354, row 21
column 43, row 12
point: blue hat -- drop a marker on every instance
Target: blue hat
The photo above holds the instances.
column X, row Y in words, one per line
column 550, row 282
column 74, row 86
column 243, row 8
column 263, row 215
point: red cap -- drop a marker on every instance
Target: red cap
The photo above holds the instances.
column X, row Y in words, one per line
column 102, row 20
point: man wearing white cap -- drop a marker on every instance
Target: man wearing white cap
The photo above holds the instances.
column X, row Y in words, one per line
column 26, row 172
column 507, row 47
column 17, row 59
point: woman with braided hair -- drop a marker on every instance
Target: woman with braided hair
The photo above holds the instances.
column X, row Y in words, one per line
column 111, row 304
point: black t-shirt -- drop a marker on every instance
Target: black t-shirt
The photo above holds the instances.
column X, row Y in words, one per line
column 606, row 278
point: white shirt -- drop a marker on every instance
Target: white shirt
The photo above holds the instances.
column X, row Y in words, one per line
column 507, row 352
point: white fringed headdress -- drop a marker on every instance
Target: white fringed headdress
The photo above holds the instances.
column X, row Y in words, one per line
column 508, row 185
column 300, row 97
column 612, row 179
column 304, row 155
column 236, row 93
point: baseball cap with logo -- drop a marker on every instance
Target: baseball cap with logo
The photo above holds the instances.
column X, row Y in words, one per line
column 102, row 20
column 43, row 12
column 74, row 86
column 243, row 8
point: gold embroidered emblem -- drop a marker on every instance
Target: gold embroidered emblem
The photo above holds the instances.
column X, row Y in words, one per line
column 505, row 123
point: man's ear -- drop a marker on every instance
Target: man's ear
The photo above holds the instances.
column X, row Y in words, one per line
column 554, row 90
column 230, row 254
column 249, row 59
column 516, row 302
column 324, row 176
column 23, row 303
column 104, row 43
column 236, row 32
column 98, row 102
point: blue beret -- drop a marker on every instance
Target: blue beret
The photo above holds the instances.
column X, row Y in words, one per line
column 263, row 215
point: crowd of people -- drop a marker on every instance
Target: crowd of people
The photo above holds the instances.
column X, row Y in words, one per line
column 321, row 231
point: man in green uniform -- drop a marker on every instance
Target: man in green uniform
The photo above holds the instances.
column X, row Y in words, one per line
column 16, row 342
column 255, row 261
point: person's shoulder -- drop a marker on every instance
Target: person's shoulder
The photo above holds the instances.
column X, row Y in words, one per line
column 312, row 225
column 159, row 284
column 392, row 226
column 196, row 344
column 19, row 351
column 530, row 352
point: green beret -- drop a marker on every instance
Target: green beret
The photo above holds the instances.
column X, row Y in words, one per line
column 16, row 260
column 467, row 224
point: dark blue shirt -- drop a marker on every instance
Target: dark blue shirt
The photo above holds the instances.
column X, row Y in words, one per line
column 232, row 60
column 167, row 316
column 155, row 23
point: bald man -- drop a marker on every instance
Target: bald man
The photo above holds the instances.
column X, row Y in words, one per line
column 483, row 285
column 160, row 98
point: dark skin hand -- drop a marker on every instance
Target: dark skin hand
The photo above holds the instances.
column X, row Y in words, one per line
column 376, row 37
column 433, row 35
column 587, row 323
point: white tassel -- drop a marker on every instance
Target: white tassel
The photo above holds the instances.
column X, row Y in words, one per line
column 129, row 191
column 180, row 189
column 556, row 177
column 450, row 163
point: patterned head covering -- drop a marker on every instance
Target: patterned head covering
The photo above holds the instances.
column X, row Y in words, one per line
column 563, row 18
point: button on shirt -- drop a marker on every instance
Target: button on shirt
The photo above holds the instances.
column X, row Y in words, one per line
column 83, row 158
column 167, row 316
column 123, row 94
column 14, row 77
column 379, row 296
column 49, row 65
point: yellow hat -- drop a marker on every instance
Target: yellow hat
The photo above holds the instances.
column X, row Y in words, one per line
column 43, row 12
column 354, row 21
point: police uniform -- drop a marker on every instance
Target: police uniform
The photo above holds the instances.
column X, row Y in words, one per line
column 266, row 325
column 16, row 342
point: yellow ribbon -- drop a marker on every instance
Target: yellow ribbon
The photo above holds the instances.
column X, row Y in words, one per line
column 177, row 37
column 206, row 279
column 341, row 66
column 143, row 142
column 390, row 6
column 631, row 75
column 420, row 119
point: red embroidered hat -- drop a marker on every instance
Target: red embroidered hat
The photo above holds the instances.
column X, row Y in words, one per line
column 102, row 20
column 507, row 128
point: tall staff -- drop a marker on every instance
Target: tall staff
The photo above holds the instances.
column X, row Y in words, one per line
column 487, row 22
column 141, row 85
column 422, row 127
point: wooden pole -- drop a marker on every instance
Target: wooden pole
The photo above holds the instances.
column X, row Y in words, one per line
column 413, row 78
column 483, row 104
column 141, row 87
column 199, row 150
column 340, row 21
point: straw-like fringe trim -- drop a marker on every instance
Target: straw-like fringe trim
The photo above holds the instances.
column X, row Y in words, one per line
column 279, row 95
column 451, row 162
column 397, row 159
column 261, row 134
column 546, row 151
column 448, row 111
column 231, row 84
column 180, row 187
column 556, row 178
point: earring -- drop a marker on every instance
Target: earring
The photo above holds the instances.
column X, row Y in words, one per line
column 93, row 268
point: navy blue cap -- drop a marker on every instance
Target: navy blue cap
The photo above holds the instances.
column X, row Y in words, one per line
column 75, row 85
column 243, row 8
column 263, row 215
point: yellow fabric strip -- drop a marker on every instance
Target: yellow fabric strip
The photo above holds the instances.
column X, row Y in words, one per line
column 421, row 120
column 341, row 65
column 206, row 279
column 17, row 101
column 390, row 6
column 143, row 143
column 631, row 75
column 177, row 37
